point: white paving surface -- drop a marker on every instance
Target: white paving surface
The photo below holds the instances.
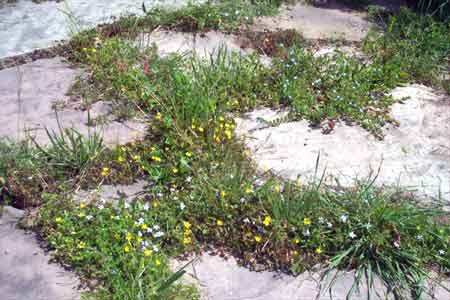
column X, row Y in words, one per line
column 26, row 26
column 415, row 155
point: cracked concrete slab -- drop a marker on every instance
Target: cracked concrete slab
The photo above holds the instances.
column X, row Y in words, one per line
column 25, row 271
column 415, row 155
column 317, row 22
column 112, row 193
column 220, row 279
column 202, row 45
column 28, row 94
column 26, row 26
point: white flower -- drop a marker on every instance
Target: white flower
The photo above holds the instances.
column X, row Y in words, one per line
column 159, row 234
column 102, row 200
column 175, row 198
column 188, row 179
column 127, row 205
column 231, row 176
column 172, row 190
column 182, row 206
column 144, row 245
column 101, row 206
column 246, row 220
column 156, row 227
column 146, row 206
column 149, row 230
column 242, row 200
column 441, row 252
column 155, row 248
column 89, row 217
column 344, row 218
column 396, row 244
column 306, row 232
column 329, row 225
column 141, row 221
column 139, row 233
column 159, row 195
column 352, row 235
column 321, row 220
column 259, row 182
column 419, row 237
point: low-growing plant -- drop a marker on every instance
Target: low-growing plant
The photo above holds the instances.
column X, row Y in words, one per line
column 69, row 150
column 417, row 47
column 204, row 192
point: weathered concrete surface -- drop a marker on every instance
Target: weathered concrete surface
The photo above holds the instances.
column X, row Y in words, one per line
column 27, row 26
column 202, row 45
column 29, row 92
column 220, row 279
column 414, row 155
column 318, row 22
column 112, row 193
column 25, row 271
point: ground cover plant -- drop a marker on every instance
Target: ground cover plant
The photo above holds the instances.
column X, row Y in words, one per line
column 415, row 46
column 204, row 193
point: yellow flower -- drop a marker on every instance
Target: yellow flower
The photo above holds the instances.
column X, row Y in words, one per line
column 258, row 239
column 188, row 154
column 82, row 205
column 221, row 119
column 147, row 253
column 200, row 129
column 219, row 222
column 144, row 226
column 319, row 250
column 85, row 49
column 187, row 232
column 58, row 220
column 187, row 225
column 174, row 170
column 223, row 194
column 187, row 240
column 153, row 148
column 156, row 158
column 248, row 190
column 105, row 172
column 158, row 116
column 193, row 126
column 138, row 239
column 94, row 50
column 120, row 159
column 228, row 134
column 157, row 262
column 297, row 241
column 81, row 215
column 136, row 157
column 81, row 245
column 267, row 221
column 126, row 249
column 129, row 237
column 307, row 221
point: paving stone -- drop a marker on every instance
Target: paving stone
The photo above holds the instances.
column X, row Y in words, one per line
column 220, row 279
column 318, row 22
column 113, row 193
column 27, row 26
column 25, row 271
column 29, row 93
column 415, row 155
